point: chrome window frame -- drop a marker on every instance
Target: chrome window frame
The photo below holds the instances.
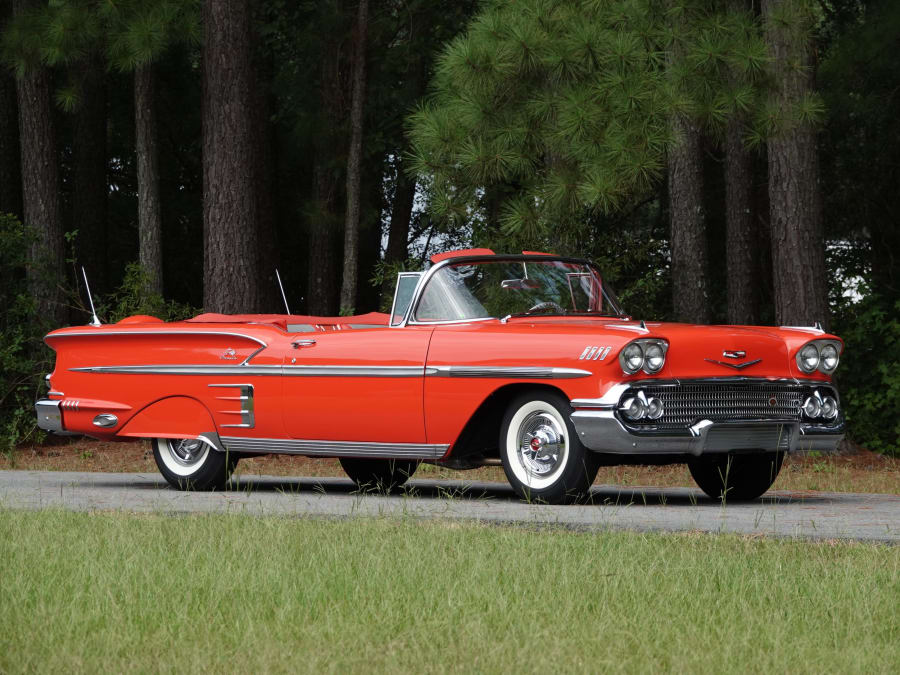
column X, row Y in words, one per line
column 408, row 319
column 400, row 276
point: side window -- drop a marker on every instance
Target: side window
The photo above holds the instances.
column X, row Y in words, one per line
column 406, row 286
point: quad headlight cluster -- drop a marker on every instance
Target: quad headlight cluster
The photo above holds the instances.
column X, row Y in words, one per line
column 640, row 407
column 647, row 354
column 818, row 406
column 821, row 355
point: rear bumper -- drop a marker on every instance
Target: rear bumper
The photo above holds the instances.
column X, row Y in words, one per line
column 49, row 417
column 601, row 431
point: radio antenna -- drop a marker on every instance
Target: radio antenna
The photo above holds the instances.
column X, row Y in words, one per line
column 283, row 296
column 94, row 320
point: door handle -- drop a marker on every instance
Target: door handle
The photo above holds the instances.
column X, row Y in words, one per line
column 297, row 344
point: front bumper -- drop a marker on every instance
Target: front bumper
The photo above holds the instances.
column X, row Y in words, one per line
column 601, row 431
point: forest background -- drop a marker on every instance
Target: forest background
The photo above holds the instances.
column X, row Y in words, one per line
column 723, row 161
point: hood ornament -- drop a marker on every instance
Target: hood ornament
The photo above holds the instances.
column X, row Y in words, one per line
column 734, row 354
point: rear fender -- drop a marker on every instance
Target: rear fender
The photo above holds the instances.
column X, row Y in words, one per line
column 173, row 417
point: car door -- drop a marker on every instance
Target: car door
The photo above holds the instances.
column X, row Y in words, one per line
column 356, row 384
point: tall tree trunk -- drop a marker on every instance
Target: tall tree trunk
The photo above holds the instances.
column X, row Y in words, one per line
column 10, row 173
column 741, row 236
column 40, row 188
column 323, row 289
column 687, row 216
column 90, row 186
column 351, row 223
column 798, row 244
column 147, row 153
column 401, row 216
column 230, row 183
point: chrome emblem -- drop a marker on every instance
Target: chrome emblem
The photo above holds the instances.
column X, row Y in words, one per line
column 229, row 355
column 592, row 353
column 773, row 402
column 736, row 366
column 735, row 354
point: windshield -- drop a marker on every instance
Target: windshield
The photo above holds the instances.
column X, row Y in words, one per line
column 489, row 288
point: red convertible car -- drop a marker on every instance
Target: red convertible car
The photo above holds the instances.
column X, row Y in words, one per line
column 526, row 361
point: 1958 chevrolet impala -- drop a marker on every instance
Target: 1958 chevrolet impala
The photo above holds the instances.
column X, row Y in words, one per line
column 522, row 360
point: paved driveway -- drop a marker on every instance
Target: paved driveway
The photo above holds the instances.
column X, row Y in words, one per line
column 818, row 515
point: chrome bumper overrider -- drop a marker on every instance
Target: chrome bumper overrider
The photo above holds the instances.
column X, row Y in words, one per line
column 49, row 418
column 601, row 431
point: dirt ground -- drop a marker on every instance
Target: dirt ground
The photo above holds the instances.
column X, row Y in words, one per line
column 860, row 471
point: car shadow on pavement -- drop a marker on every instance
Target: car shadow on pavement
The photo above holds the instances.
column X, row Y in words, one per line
column 601, row 495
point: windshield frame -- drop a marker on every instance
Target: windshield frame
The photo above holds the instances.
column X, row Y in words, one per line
column 409, row 317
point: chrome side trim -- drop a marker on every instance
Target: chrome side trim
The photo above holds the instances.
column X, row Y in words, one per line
column 269, row 370
column 505, row 372
column 287, row 446
column 158, row 332
column 198, row 369
column 354, row 371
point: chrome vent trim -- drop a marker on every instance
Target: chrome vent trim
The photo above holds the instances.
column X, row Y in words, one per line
column 334, row 448
column 245, row 407
column 592, row 353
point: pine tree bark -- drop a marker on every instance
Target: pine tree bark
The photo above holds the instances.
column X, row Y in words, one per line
column 40, row 188
column 323, row 268
column 740, row 232
column 147, row 154
column 401, row 217
column 90, row 186
column 688, row 225
column 230, row 184
column 10, row 173
column 798, row 243
column 351, row 223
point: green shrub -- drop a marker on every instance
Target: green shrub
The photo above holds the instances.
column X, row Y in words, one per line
column 869, row 374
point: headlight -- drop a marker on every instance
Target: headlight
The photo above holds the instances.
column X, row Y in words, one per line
column 654, row 357
column 822, row 355
column 808, row 358
column 829, row 358
column 632, row 358
column 647, row 354
column 829, row 408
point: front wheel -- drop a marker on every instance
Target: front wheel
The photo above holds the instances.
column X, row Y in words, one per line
column 378, row 475
column 191, row 464
column 541, row 454
column 736, row 477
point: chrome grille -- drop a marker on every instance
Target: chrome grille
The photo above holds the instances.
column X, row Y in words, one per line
column 686, row 403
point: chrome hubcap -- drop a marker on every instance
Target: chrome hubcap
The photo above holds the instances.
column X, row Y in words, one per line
column 542, row 444
column 186, row 451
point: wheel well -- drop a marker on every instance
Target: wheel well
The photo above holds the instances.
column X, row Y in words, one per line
column 481, row 433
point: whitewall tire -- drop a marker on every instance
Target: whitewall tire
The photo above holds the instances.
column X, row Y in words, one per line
column 192, row 464
column 540, row 451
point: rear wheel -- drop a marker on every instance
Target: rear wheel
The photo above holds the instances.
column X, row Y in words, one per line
column 191, row 464
column 541, row 454
column 736, row 477
column 378, row 475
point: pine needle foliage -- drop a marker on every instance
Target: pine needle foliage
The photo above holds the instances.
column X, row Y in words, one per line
column 563, row 107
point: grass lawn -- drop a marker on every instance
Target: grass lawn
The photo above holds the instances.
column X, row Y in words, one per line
column 116, row 592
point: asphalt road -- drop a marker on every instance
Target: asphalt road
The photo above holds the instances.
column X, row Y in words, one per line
column 816, row 515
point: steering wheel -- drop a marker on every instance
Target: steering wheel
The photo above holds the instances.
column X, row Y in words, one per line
column 549, row 304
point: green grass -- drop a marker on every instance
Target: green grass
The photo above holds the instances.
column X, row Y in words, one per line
column 117, row 592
